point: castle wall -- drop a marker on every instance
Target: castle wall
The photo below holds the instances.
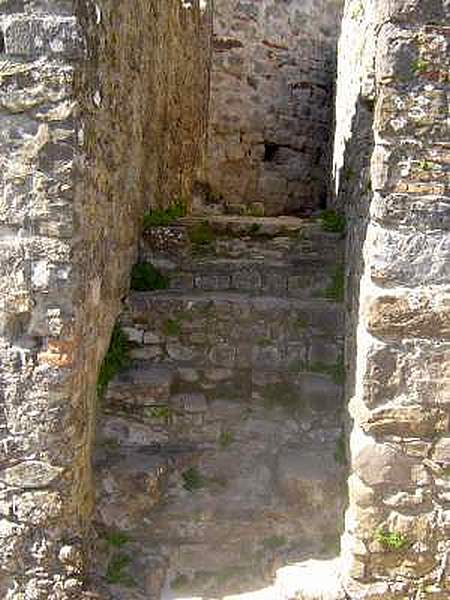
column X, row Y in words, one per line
column 271, row 105
column 393, row 177
column 94, row 100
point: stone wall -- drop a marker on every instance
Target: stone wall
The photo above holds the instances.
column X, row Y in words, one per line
column 271, row 105
column 100, row 108
column 397, row 527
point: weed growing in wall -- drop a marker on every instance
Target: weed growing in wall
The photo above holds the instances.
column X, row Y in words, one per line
column 332, row 221
column 426, row 165
column 145, row 278
column 419, row 66
column 391, row 540
column 226, row 439
column 163, row 218
column 116, row 359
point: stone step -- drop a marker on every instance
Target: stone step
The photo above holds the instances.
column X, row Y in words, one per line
column 312, row 279
column 233, row 330
column 140, row 386
column 284, row 242
column 207, row 409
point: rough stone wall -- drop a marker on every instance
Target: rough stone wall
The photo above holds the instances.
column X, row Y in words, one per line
column 79, row 86
column 271, row 104
column 397, row 527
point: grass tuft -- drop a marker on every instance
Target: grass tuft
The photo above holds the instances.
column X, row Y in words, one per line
column 172, row 328
column 193, row 480
column 116, row 359
column 116, row 572
column 164, row 217
column 226, row 439
column 336, row 290
column 332, row 221
column 201, row 235
column 117, row 538
column 145, row 278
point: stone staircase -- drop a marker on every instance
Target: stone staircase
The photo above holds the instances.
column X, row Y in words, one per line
column 220, row 451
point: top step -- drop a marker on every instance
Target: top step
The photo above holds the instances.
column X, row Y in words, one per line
column 272, row 239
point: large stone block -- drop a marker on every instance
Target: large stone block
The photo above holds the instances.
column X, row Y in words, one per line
column 25, row 34
column 409, row 315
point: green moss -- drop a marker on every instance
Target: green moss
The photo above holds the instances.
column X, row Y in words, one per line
column 358, row 11
column 349, row 175
column 331, row 545
column 116, row 573
column 179, row 582
column 117, row 539
column 336, row 371
column 254, row 229
column 419, row 66
column 255, row 211
column 165, row 217
column 172, row 328
column 332, row 221
column 426, row 165
column 391, row 540
column 145, row 278
column 158, row 412
column 201, row 235
column 297, row 365
column 340, row 454
column 117, row 358
column 284, row 395
column 226, row 439
column 447, row 471
column 301, row 323
column 193, row 480
column 110, row 444
column 336, row 290
column 274, row 542
column 264, row 341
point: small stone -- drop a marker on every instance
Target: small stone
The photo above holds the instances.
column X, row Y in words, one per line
column 188, row 375
column 190, row 403
column 133, row 335
column 147, row 353
column 31, row 474
column 151, row 338
column 218, row 375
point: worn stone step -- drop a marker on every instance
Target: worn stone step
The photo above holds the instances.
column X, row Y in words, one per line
column 282, row 241
column 313, row 279
column 202, row 405
column 140, row 386
column 233, row 331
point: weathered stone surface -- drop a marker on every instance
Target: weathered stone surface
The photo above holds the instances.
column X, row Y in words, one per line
column 272, row 82
column 251, row 427
column 78, row 170
column 391, row 165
